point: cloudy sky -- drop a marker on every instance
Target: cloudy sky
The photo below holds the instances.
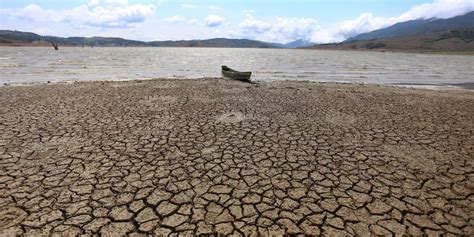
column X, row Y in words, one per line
column 320, row 21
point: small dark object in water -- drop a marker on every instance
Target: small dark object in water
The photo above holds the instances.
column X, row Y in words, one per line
column 236, row 75
column 55, row 45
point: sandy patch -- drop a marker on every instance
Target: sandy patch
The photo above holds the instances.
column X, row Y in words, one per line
column 341, row 119
column 159, row 100
column 421, row 158
column 232, row 117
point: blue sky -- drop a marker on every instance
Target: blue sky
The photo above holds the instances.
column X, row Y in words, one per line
column 277, row 21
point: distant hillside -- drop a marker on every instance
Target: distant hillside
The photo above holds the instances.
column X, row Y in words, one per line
column 217, row 42
column 418, row 27
column 18, row 38
column 446, row 41
column 295, row 44
column 433, row 35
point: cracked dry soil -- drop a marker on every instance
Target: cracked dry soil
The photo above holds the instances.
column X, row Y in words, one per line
column 215, row 156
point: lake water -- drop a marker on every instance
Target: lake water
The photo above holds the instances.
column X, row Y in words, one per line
column 42, row 64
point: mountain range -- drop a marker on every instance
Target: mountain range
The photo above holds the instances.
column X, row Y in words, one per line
column 452, row 34
column 19, row 38
column 295, row 44
column 418, row 27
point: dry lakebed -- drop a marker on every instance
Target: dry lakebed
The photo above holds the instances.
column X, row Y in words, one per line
column 188, row 157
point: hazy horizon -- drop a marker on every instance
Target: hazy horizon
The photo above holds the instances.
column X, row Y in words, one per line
column 278, row 21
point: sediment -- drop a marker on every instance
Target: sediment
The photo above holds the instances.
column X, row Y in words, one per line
column 219, row 156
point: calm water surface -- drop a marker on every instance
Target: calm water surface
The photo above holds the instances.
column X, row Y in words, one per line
column 27, row 65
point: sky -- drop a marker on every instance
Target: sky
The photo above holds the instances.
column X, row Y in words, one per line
column 282, row 21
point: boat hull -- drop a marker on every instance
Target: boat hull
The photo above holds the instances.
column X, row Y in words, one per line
column 236, row 75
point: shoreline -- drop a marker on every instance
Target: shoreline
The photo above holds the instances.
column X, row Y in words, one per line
column 411, row 51
column 436, row 87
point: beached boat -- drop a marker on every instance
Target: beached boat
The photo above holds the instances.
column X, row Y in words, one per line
column 236, row 75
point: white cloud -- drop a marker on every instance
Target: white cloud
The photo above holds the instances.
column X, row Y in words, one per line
column 175, row 19
column 367, row 22
column 104, row 15
column 289, row 29
column 282, row 30
column 364, row 23
column 252, row 25
column 294, row 28
column 123, row 2
column 211, row 8
column 213, row 20
column 93, row 3
column 439, row 9
column 193, row 21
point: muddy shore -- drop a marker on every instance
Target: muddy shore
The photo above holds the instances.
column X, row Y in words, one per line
column 219, row 156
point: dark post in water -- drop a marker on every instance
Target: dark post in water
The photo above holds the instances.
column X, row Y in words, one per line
column 55, row 45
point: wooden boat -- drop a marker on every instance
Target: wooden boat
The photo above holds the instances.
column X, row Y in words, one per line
column 236, row 75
